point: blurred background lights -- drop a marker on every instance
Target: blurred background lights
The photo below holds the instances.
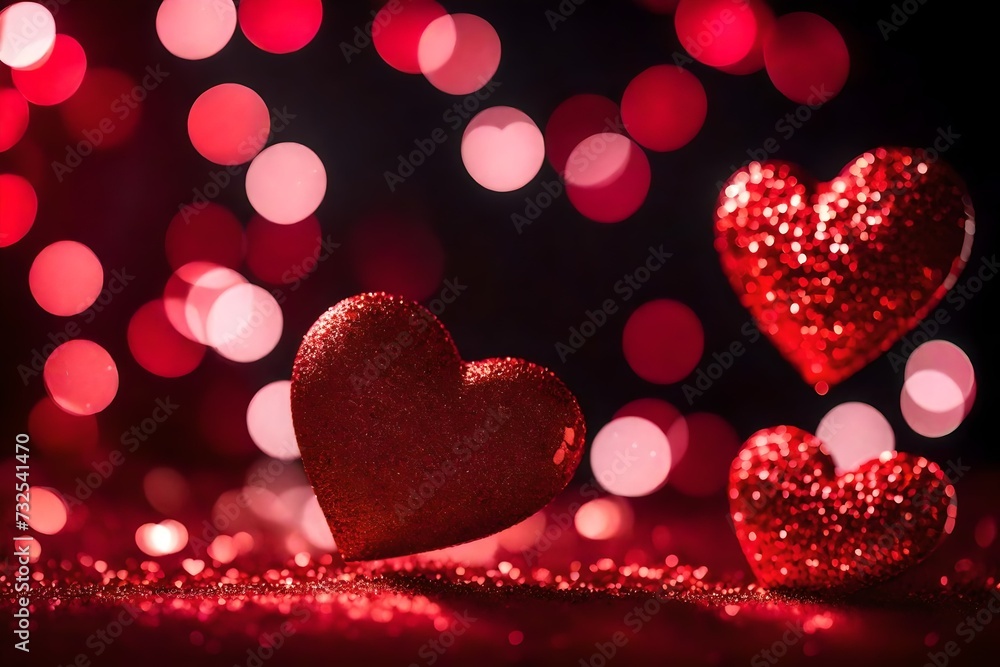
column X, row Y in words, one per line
column 27, row 34
column 66, row 278
column 208, row 234
column 715, row 32
column 939, row 388
column 244, row 324
column 607, row 177
column 666, row 417
column 806, row 58
column 286, row 183
column 522, row 536
column 195, row 29
column 284, row 254
column 166, row 490
column 105, row 111
column 855, row 433
column 81, row 377
column 280, row 26
column 48, row 511
column 754, row 60
column 397, row 253
column 663, row 341
column 664, row 107
column 314, row 525
column 269, row 420
column 56, row 79
column 223, row 549
column 13, row 118
column 459, row 53
column 157, row 346
column 18, row 208
column 630, row 457
column 502, row 149
column 161, row 539
column 229, row 124
column 575, row 119
column 603, row 519
column 58, row 432
column 190, row 294
column 396, row 32
column 711, row 440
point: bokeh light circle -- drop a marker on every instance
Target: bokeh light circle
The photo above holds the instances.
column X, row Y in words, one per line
column 459, row 53
column 59, row 432
column 397, row 254
column 280, row 26
column 397, row 28
column 13, row 117
column 607, row 177
column 715, row 32
column 286, row 183
column 933, row 404
column 229, row 124
column 575, row 119
column 157, row 346
column 806, row 58
column 285, row 254
column 48, row 512
column 166, row 490
column 603, row 518
column 245, row 323
column 209, row 234
column 949, row 359
column 18, row 208
column 56, row 79
column 161, row 539
column 664, row 107
column 66, row 278
column 663, row 341
column 754, row 60
column 502, row 149
column 855, row 433
column 630, row 457
column 269, row 420
column 105, row 111
column 195, row 29
column 27, row 34
column 712, row 445
column 81, row 377
column 190, row 293
column 666, row 417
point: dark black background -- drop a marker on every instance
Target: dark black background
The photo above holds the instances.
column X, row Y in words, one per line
column 525, row 291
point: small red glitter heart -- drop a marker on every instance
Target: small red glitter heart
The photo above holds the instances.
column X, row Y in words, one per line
column 802, row 526
column 410, row 449
column 835, row 273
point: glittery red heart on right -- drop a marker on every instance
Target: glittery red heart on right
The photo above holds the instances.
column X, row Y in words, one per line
column 802, row 526
column 835, row 273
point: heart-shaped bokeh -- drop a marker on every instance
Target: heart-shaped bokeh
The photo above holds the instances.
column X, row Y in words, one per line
column 835, row 273
column 410, row 449
column 802, row 526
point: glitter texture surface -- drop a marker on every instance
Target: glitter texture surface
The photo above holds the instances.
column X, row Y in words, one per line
column 835, row 273
column 409, row 448
column 802, row 526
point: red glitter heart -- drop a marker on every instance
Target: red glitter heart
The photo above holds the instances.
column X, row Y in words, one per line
column 802, row 526
column 410, row 449
column 835, row 273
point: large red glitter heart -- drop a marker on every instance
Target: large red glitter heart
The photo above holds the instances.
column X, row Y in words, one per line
column 410, row 449
column 835, row 273
column 802, row 526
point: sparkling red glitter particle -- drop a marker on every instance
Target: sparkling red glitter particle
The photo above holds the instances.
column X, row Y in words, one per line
column 802, row 526
column 835, row 273
column 410, row 449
